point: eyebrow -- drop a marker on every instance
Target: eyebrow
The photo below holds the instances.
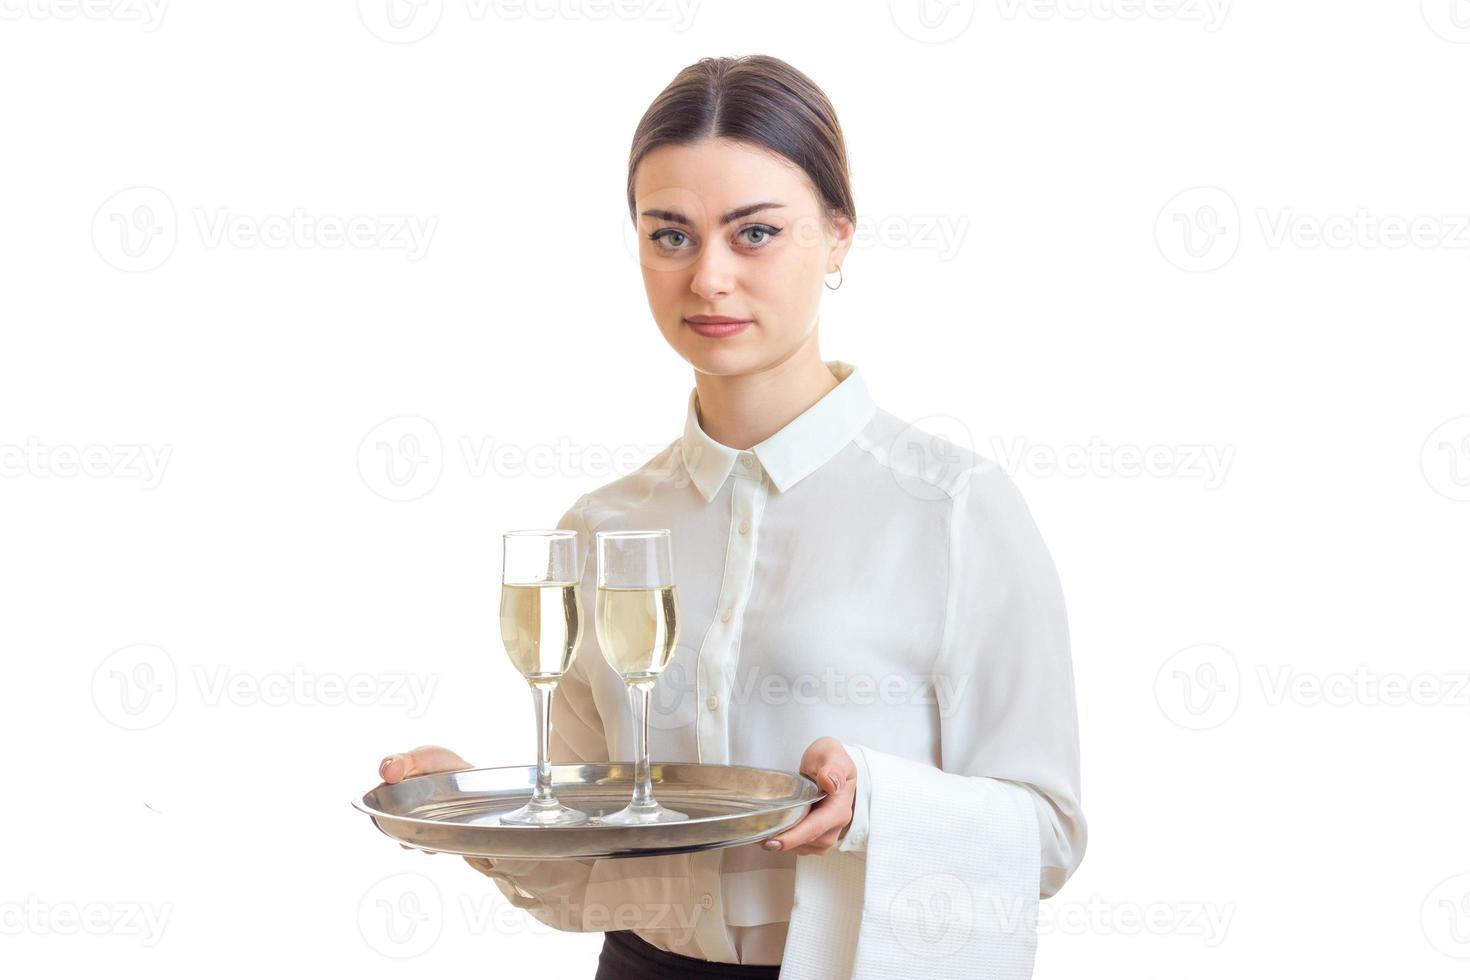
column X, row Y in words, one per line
column 735, row 215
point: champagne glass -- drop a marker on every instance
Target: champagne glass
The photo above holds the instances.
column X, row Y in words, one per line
column 637, row 627
column 541, row 626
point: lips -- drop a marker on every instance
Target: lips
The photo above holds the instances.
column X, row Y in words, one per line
column 716, row 326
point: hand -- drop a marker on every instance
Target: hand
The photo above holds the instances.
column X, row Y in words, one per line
column 827, row 762
column 419, row 762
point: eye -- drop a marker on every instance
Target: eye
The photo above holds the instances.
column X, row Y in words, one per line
column 660, row 239
column 766, row 233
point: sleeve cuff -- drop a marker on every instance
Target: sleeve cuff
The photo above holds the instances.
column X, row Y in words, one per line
column 855, row 837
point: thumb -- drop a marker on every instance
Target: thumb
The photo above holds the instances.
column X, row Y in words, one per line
column 419, row 762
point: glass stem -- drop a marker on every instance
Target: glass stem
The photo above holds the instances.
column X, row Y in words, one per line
column 642, row 771
column 542, row 795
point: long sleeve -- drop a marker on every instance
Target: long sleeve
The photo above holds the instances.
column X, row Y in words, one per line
column 1003, row 675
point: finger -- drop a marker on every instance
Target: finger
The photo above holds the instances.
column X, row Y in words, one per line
column 830, row 814
column 820, row 845
column 419, row 762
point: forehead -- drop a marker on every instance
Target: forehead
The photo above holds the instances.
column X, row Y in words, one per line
column 717, row 175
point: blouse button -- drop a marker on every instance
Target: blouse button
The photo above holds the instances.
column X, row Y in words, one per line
column 707, row 900
column 725, row 618
column 745, row 461
column 713, row 702
column 744, row 527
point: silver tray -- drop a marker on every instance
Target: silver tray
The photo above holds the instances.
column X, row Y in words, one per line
column 459, row 812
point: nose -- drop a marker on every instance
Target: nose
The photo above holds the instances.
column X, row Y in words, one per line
column 714, row 273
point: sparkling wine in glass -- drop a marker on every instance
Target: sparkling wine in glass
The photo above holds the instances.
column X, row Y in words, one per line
column 637, row 628
column 541, row 626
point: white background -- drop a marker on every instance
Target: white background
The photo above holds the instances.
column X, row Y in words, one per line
column 1190, row 230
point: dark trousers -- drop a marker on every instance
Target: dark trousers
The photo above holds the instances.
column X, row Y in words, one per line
column 627, row 957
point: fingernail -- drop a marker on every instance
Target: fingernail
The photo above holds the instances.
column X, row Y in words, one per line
column 383, row 766
column 834, row 779
column 772, row 845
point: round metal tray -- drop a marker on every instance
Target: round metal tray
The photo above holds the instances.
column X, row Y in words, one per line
column 459, row 812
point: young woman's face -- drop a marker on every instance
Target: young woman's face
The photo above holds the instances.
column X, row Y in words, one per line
column 728, row 229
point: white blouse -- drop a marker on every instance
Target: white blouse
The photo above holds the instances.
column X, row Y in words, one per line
column 850, row 576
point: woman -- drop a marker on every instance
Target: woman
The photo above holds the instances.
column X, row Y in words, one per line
column 846, row 585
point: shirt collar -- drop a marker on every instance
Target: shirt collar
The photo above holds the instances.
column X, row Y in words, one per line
column 799, row 448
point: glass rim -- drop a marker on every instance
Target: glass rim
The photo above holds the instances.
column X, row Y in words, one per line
column 541, row 533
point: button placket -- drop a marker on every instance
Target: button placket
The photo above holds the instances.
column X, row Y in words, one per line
column 719, row 656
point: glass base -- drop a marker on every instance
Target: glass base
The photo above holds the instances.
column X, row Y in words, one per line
column 630, row 815
column 544, row 815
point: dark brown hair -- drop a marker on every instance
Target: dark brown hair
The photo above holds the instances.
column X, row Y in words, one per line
column 757, row 99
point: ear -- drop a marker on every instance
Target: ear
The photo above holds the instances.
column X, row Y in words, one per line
column 841, row 231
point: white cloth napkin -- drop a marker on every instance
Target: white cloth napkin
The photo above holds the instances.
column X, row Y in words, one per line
column 948, row 887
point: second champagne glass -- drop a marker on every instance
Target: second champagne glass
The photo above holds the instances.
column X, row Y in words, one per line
column 638, row 627
column 541, row 626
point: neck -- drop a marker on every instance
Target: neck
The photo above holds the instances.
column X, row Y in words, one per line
column 742, row 410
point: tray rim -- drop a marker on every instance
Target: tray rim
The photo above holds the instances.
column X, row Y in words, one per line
column 360, row 804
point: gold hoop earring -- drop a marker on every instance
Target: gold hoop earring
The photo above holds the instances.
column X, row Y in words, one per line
column 839, row 280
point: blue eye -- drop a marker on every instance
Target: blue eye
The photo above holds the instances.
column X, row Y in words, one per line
column 658, row 237
column 765, row 230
